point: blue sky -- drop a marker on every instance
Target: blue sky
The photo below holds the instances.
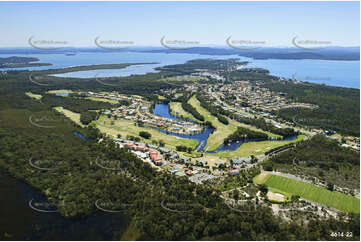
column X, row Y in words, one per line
column 145, row 23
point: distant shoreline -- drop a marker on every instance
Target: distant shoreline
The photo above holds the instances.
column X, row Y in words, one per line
column 262, row 53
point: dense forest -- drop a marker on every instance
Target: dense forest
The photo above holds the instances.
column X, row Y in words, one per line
column 202, row 64
column 17, row 61
column 323, row 158
column 77, row 105
column 77, row 181
column 87, row 117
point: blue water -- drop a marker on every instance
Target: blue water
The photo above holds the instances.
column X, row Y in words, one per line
column 79, row 135
column 201, row 137
column 92, row 58
column 127, row 71
column 230, row 146
column 163, row 110
column 334, row 73
column 23, row 223
column 64, row 94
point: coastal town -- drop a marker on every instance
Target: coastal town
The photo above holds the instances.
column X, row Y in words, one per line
column 140, row 112
column 223, row 135
column 180, row 121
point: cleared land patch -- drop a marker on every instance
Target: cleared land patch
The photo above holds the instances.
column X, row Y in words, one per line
column 273, row 196
column 337, row 200
column 261, row 178
column 60, row 91
column 33, row 95
column 103, row 100
column 71, row 115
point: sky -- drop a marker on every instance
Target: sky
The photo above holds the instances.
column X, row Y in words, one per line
column 207, row 23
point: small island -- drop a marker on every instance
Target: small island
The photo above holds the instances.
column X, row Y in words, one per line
column 18, row 62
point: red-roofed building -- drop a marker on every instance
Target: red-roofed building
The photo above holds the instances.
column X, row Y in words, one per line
column 130, row 145
column 152, row 151
column 142, row 148
column 157, row 159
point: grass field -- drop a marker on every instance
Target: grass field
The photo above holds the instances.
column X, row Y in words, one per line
column 125, row 127
column 337, row 200
column 256, row 148
column 60, row 91
column 176, row 109
column 222, row 130
column 71, row 115
column 160, row 97
column 33, row 95
column 103, row 100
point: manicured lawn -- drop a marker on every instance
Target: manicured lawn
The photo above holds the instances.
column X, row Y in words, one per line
column 71, row 115
column 33, row 95
column 176, row 109
column 126, row 127
column 342, row 202
column 261, row 178
column 256, row 148
column 222, row 131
